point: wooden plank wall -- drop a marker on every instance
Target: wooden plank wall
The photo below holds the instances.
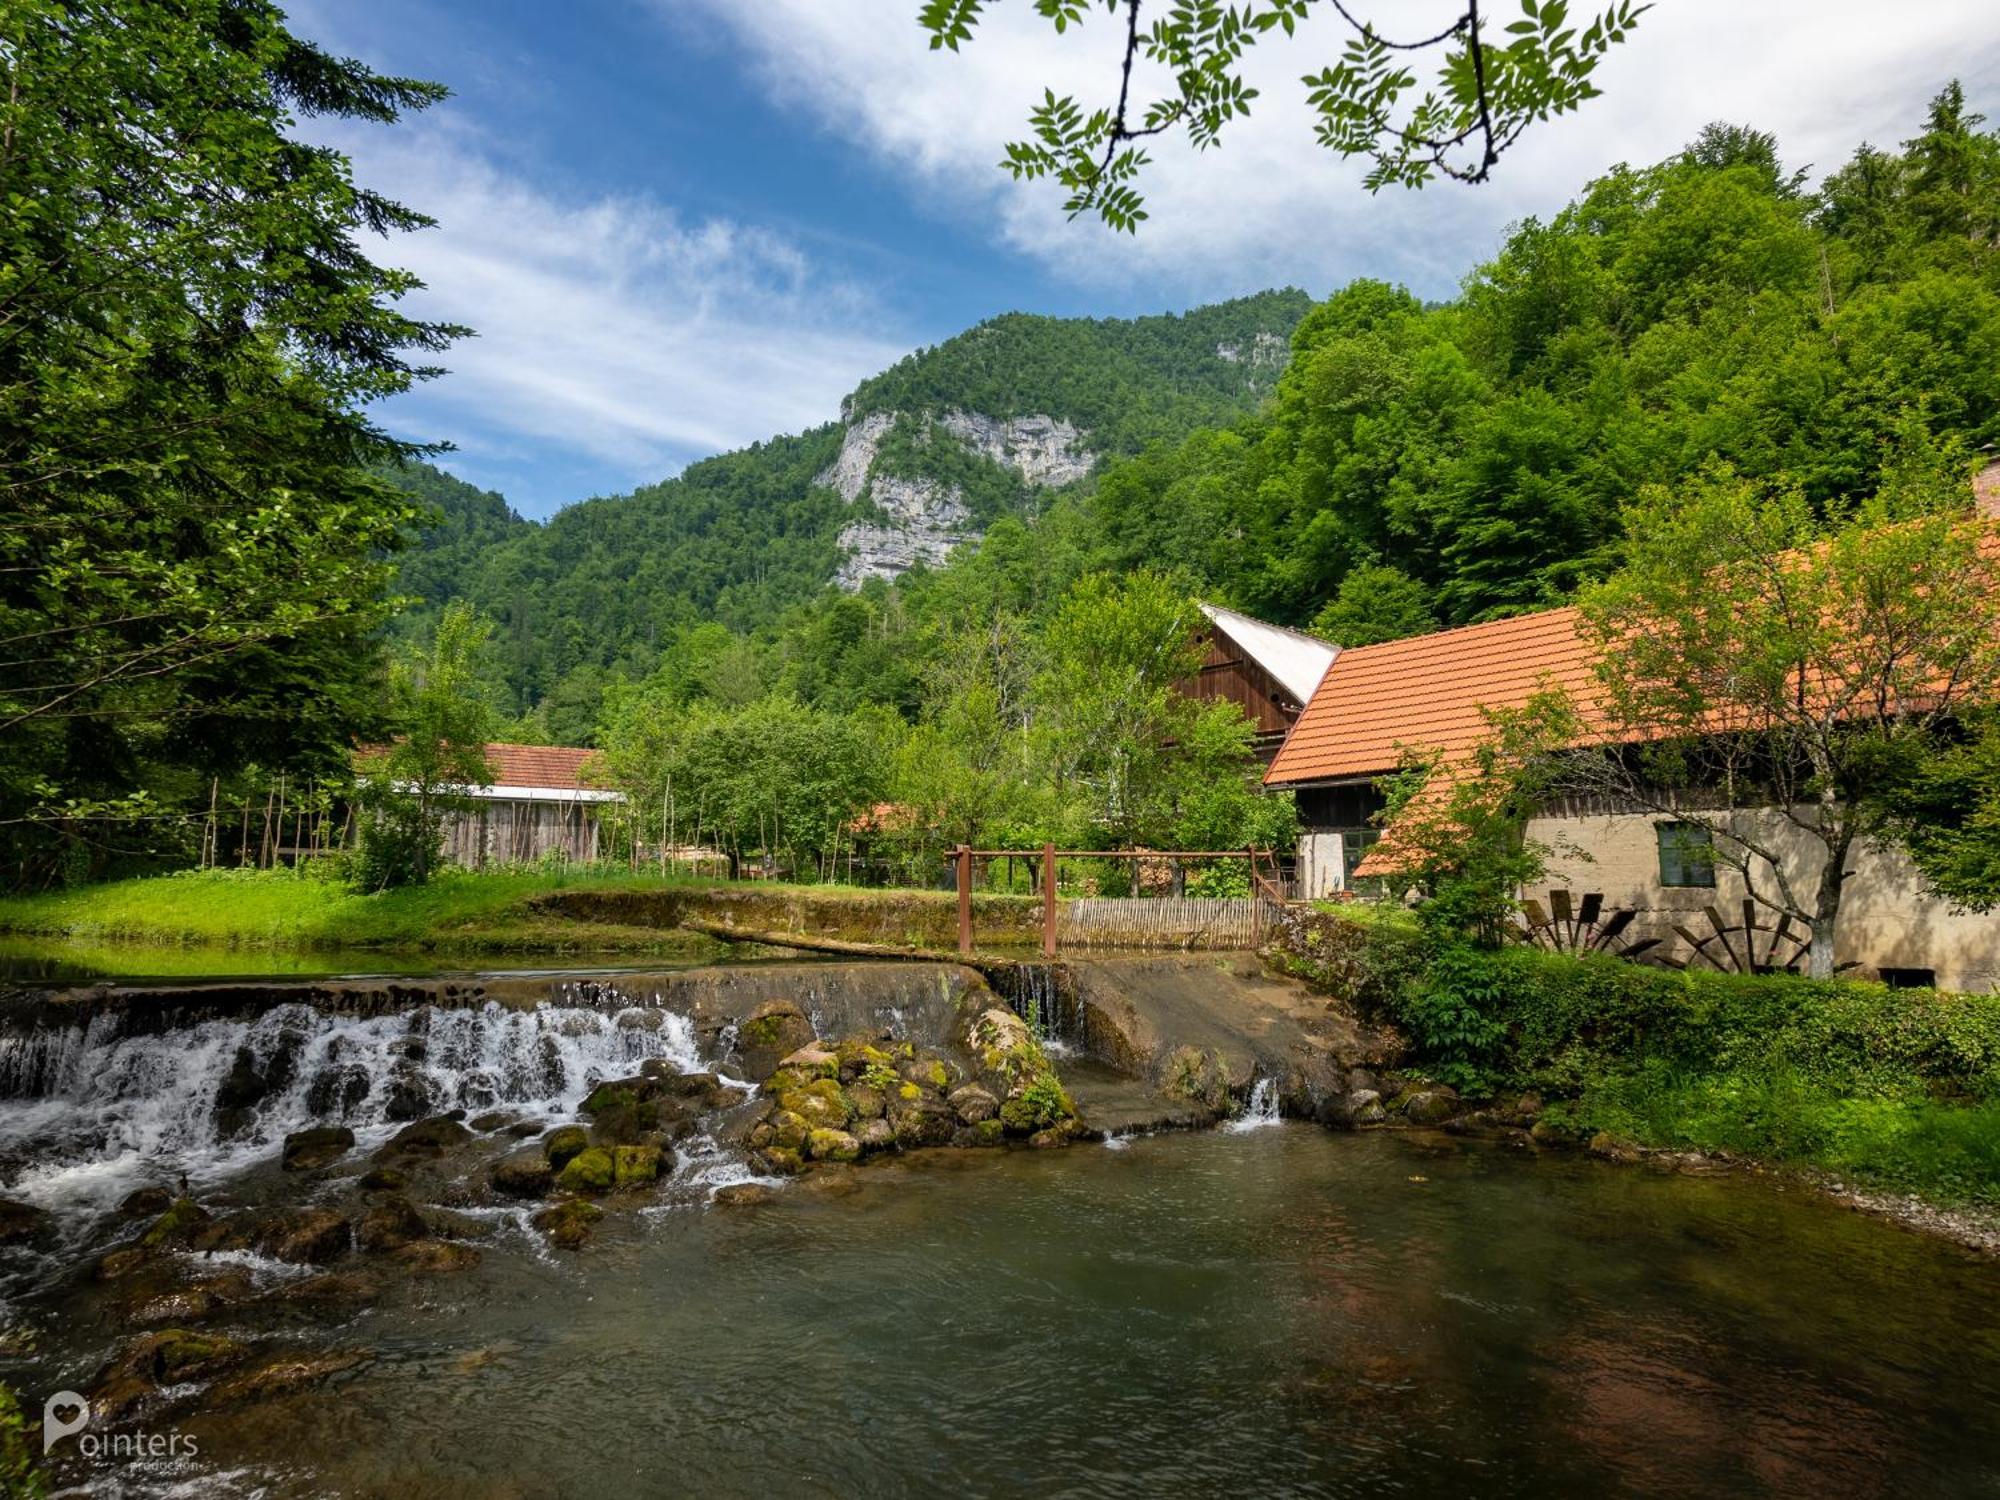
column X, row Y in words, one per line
column 504, row 832
column 1160, row 922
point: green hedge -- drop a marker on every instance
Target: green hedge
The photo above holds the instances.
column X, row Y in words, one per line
column 1895, row 1088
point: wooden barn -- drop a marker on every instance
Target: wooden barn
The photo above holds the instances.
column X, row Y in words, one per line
column 539, row 803
column 1268, row 671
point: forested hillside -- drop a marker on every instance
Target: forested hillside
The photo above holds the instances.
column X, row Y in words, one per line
column 743, row 538
column 1415, row 466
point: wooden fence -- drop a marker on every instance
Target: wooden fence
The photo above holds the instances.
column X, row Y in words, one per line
column 1166, row 920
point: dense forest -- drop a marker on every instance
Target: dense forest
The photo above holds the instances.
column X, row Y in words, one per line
column 1415, row 466
column 1368, row 466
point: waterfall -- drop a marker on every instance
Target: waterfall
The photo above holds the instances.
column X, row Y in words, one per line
column 1262, row 1108
column 1035, row 991
column 89, row 1112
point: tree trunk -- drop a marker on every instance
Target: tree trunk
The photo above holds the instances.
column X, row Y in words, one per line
column 1826, row 911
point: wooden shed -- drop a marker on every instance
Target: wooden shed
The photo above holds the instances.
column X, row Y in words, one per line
column 539, row 803
column 1268, row 671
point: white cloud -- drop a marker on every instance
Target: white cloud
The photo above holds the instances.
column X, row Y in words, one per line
column 1269, row 206
column 610, row 327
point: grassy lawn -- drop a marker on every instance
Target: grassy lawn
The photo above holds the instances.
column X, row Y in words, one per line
column 278, row 909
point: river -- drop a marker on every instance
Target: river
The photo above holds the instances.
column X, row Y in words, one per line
column 1276, row 1311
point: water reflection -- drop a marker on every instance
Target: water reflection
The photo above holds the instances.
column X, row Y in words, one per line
column 1281, row 1311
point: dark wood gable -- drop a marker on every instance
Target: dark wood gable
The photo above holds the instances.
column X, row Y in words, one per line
column 1228, row 673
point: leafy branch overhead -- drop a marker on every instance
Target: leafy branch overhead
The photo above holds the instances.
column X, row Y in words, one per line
column 1485, row 90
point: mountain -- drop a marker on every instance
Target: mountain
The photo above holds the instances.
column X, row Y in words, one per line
column 925, row 456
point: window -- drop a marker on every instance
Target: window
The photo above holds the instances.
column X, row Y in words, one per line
column 1354, row 846
column 1687, row 855
column 1910, row 979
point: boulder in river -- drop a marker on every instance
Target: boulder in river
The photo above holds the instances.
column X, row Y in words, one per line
column 822, row 1104
column 874, row 1135
column 427, row 1137
column 435, row 1257
column 775, row 1030
column 563, row 1143
column 142, row 1203
column 525, row 1174
column 832, row 1145
column 320, row 1146
column 568, row 1224
column 389, row 1224
column 21, row 1223
column 634, row 1165
column 1431, row 1106
column 591, row 1170
column 173, row 1356
column 283, row 1372
column 309, row 1237
column 183, row 1219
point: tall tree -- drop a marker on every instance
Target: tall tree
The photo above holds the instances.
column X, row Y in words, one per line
column 190, row 334
column 1775, row 680
column 438, row 758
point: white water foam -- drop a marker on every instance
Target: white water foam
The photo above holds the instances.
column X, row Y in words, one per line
column 88, row 1113
column 1262, row 1109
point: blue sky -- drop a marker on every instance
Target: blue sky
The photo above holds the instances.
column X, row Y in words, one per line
column 683, row 225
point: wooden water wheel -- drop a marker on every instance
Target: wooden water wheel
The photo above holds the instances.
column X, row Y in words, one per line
column 1566, row 925
column 1752, row 946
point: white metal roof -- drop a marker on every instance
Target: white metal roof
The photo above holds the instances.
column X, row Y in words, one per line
column 1295, row 659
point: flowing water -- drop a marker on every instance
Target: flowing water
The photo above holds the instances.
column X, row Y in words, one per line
column 1268, row 1309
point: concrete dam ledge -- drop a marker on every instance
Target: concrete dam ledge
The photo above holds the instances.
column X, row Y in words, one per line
column 1161, row 1039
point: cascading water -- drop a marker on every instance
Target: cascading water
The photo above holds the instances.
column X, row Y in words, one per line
column 1035, row 991
column 1260, row 1110
column 93, row 1111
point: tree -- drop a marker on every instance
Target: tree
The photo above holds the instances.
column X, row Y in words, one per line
column 437, row 759
column 191, row 332
column 1948, row 816
column 1484, row 95
column 1376, row 603
column 1776, row 678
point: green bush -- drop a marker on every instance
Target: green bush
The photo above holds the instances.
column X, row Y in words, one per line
column 1896, row 1088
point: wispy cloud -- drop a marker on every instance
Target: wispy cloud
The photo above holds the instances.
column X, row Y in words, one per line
column 610, row 327
column 1269, row 206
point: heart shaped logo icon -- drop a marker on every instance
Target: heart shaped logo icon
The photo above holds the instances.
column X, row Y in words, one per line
column 64, row 1414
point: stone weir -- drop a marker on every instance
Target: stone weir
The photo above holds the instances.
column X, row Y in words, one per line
column 914, row 999
column 1200, row 1031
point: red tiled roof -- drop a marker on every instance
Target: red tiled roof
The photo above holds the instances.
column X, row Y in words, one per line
column 539, row 765
column 1427, row 692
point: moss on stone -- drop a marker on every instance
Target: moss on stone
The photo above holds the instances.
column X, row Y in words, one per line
column 632, row 1165
column 832, row 1145
column 565, row 1143
column 182, row 1218
column 568, row 1224
column 592, row 1170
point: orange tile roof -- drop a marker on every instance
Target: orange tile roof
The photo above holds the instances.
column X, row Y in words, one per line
column 1427, row 692
column 539, row 765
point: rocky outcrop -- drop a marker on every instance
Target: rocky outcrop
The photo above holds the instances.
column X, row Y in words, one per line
column 920, row 519
column 1045, row 451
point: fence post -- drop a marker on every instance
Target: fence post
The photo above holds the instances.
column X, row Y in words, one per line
column 1048, row 901
column 964, row 899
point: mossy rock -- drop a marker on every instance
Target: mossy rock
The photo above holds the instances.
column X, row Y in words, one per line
column 592, row 1170
column 789, row 1130
column 633, row 1165
column 781, row 1160
column 564, row 1143
column 568, row 1224
column 867, row 1101
column 812, row 1062
column 630, row 1122
column 823, row 1104
column 182, row 1218
column 875, row 1135
column 621, row 1093
column 775, row 1030
column 832, row 1145
column 1037, row 1107
column 859, row 1057
column 931, row 1073
column 987, row 1132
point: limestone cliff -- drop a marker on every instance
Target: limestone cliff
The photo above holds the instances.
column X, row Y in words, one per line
column 920, row 517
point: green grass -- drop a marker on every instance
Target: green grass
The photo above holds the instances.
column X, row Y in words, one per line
column 278, row 909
